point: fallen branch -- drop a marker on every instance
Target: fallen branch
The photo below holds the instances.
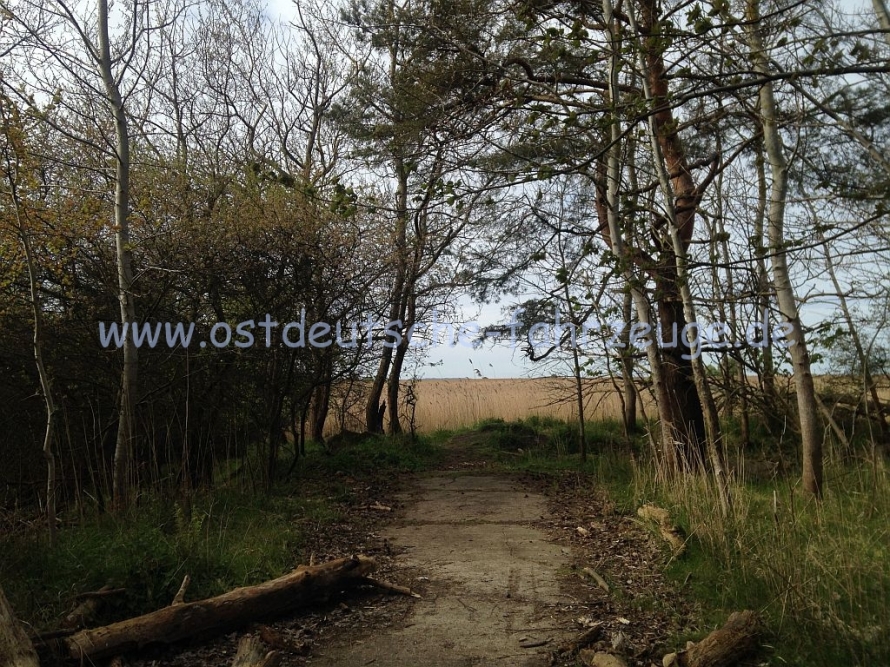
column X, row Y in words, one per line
column 738, row 638
column 571, row 648
column 179, row 598
column 533, row 643
column 86, row 610
column 219, row 614
column 597, row 578
column 392, row 588
column 104, row 592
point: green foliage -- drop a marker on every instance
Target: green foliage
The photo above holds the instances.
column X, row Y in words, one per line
column 549, row 445
column 374, row 453
column 229, row 540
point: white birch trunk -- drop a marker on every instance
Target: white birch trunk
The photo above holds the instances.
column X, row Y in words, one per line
column 123, row 452
column 810, row 431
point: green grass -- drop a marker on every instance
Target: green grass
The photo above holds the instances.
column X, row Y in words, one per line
column 545, row 445
column 374, row 453
column 818, row 572
column 230, row 540
column 233, row 537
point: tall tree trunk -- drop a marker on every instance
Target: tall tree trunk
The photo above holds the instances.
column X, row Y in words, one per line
column 392, row 388
column 685, row 405
column 810, row 431
column 629, row 414
column 395, row 373
column 321, row 402
column 608, row 212
column 576, row 361
column 123, row 452
column 396, row 307
column 681, row 198
column 372, row 405
column 49, row 434
column 767, row 375
column 679, row 403
column 45, row 382
column 679, row 215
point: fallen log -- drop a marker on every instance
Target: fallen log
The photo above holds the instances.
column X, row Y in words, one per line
column 726, row 646
column 219, row 614
column 16, row 649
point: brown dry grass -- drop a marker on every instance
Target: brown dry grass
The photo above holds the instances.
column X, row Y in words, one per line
column 460, row 403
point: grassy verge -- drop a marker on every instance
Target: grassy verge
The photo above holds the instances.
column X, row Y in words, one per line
column 818, row 572
column 232, row 537
column 548, row 445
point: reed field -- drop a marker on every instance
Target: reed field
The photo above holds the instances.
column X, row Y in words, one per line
column 460, row 403
column 448, row 404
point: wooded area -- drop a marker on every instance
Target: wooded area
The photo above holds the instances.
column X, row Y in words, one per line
column 713, row 176
column 200, row 163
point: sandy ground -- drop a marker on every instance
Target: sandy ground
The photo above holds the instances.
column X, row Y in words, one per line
column 492, row 580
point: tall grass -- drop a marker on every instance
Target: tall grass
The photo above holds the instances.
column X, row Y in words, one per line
column 819, row 572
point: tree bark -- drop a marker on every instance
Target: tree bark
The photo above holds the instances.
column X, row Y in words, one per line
column 123, row 453
column 629, row 413
column 608, row 212
column 810, row 431
column 218, row 614
column 684, row 366
column 667, row 153
column 38, row 337
column 396, row 309
column 321, row 402
column 16, row 649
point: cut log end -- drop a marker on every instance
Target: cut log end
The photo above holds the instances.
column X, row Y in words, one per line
column 251, row 653
column 737, row 639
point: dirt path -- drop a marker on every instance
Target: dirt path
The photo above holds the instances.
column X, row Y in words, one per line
column 488, row 578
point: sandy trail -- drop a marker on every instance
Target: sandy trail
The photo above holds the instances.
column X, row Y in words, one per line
column 492, row 580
